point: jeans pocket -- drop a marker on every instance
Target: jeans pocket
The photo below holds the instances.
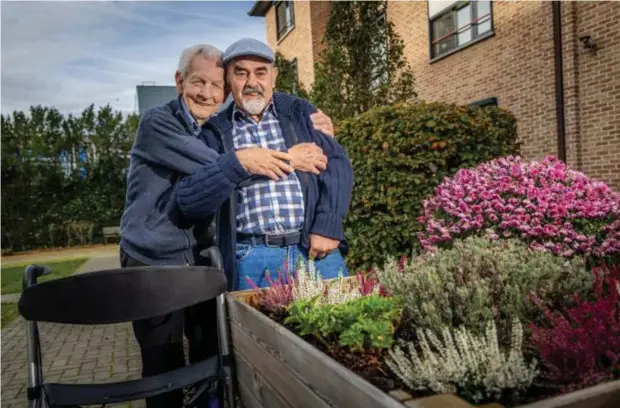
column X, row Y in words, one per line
column 243, row 251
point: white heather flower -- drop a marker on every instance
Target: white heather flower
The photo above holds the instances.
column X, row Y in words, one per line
column 309, row 284
column 474, row 365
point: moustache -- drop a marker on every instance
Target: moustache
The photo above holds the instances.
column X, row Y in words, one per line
column 251, row 89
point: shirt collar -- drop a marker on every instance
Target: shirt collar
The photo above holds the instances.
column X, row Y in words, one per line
column 195, row 126
column 238, row 113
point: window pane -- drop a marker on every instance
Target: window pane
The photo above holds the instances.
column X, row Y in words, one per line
column 289, row 16
column 464, row 37
column 484, row 26
column 443, row 28
column 463, row 18
column 443, row 25
column 483, row 8
column 281, row 18
column 444, row 46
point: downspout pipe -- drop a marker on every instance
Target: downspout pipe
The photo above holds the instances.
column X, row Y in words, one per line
column 559, row 78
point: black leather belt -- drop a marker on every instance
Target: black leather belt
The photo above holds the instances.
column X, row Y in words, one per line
column 282, row 240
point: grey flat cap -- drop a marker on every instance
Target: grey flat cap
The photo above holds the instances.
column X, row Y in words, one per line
column 248, row 46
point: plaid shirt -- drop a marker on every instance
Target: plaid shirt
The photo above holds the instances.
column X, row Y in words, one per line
column 266, row 207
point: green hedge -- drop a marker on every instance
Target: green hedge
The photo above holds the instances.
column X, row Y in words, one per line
column 400, row 154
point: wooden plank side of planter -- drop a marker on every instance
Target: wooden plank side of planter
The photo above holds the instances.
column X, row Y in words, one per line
column 256, row 386
column 276, row 377
column 605, row 395
column 331, row 382
column 248, row 398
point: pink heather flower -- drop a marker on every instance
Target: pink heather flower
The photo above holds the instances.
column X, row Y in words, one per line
column 549, row 205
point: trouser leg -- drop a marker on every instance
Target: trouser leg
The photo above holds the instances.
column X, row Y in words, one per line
column 161, row 346
column 202, row 336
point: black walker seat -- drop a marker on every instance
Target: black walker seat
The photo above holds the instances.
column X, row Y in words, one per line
column 116, row 296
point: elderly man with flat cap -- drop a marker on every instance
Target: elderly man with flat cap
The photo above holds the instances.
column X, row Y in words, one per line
column 268, row 224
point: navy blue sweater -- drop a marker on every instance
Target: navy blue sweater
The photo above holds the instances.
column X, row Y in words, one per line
column 327, row 196
column 153, row 230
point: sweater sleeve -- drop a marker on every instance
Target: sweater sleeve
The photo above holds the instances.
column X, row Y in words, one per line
column 201, row 193
column 335, row 183
column 162, row 140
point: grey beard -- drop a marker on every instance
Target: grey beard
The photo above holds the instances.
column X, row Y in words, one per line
column 254, row 106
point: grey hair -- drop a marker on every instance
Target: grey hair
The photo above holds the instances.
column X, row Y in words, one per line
column 189, row 53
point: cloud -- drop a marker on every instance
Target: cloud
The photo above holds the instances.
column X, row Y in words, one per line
column 71, row 54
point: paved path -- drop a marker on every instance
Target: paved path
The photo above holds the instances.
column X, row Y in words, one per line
column 98, row 263
column 71, row 353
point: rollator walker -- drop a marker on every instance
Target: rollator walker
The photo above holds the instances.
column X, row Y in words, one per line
column 124, row 295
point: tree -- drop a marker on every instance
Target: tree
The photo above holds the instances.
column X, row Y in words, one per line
column 362, row 65
column 288, row 81
column 62, row 175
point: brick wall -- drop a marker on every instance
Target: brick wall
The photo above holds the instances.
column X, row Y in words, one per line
column 297, row 43
column 320, row 17
column 596, row 144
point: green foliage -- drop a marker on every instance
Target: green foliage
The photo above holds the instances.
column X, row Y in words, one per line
column 480, row 279
column 400, row 154
column 362, row 64
column 63, row 177
column 362, row 323
column 288, row 81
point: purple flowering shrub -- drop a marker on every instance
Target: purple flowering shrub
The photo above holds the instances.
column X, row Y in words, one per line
column 580, row 346
column 545, row 203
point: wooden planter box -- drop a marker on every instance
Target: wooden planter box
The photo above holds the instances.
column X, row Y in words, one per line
column 277, row 369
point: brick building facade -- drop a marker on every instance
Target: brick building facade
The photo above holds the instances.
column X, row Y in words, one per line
column 508, row 52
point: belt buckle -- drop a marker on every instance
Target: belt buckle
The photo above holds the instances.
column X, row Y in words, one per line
column 267, row 242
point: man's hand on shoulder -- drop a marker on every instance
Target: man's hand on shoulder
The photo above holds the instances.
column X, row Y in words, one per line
column 321, row 246
column 322, row 123
column 265, row 162
column 308, row 157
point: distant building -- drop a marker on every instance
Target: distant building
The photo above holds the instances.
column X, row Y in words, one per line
column 150, row 96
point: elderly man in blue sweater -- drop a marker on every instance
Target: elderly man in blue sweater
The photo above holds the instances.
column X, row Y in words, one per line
column 267, row 224
column 168, row 146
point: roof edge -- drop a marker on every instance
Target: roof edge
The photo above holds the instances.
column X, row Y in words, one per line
column 260, row 8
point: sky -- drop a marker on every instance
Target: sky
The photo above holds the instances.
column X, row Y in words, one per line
column 73, row 53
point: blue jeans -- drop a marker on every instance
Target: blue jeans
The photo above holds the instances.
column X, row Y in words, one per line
column 254, row 261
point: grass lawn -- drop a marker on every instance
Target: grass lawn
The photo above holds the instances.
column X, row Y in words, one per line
column 12, row 275
column 9, row 313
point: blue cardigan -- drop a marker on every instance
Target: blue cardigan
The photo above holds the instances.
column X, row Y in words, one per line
column 327, row 196
column 153, row 230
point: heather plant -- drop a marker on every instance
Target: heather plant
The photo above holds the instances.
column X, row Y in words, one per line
column 275, row 297
column 362, row 323
column 580, row 346
column 544, row 203
column 481, row 279
column 306, row 283
column 469, row 365
column 369, row 283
